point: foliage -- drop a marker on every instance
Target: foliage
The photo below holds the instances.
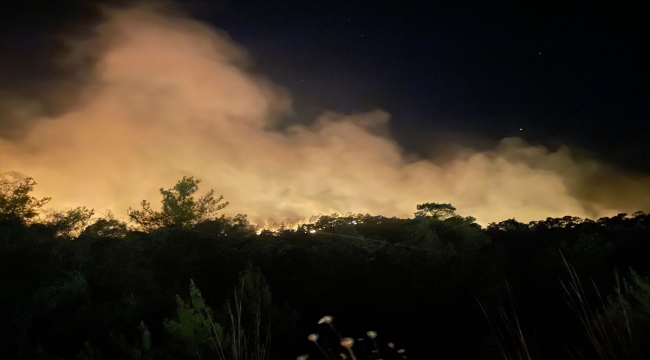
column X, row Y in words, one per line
column 637, row 289
column 195, row 328
column 141, row 349
column 64, row 291
column 615, row 330
column 435, row 210
column 415, row 281
column 106, row 227
column 248, row 309
column 179, row 207
column 15, row 199
column 247, row 315
column 69, row 223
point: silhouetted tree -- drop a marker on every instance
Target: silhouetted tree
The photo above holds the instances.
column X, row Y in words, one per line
column 179, row 207
column 435, row 210
column 69, row 223
column 414, row 280
column 15, row 198
column 107, row 226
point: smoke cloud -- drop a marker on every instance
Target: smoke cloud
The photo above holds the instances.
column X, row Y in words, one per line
column 168, row 97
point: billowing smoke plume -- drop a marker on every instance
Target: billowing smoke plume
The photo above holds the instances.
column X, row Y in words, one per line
column 169, row 97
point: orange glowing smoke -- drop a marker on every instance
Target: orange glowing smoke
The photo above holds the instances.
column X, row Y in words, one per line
column 169, row 97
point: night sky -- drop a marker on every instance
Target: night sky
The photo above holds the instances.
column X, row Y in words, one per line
column 553, row 73
column 572, row 74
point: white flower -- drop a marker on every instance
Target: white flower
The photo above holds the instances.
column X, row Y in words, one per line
column 401, row 351
column 326, row 320
column 371, row 334
column 391, row 345
column 313, row 337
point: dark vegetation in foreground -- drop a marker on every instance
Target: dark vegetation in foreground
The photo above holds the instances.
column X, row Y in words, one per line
column 184, row 283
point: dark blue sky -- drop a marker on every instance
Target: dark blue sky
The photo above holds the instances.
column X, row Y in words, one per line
column 569, row 72
column 566, row 72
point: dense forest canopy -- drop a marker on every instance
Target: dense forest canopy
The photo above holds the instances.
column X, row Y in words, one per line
column 183, row 281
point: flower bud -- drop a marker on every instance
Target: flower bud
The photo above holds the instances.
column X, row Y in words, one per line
column 347, row 342
column 326, row 320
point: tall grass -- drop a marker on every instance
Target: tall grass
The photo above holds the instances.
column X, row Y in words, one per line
column 611, row 325
column 615, row 327
column 505, row 329
column 247, row 335
column 249, row 300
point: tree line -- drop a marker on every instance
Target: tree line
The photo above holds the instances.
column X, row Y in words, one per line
column 183, row 281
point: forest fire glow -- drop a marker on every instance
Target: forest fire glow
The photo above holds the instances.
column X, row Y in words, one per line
column 170, row 97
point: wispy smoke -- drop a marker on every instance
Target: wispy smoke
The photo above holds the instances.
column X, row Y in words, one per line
column 169, row 97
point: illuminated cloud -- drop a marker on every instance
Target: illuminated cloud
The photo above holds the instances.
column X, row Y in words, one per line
column 170, row 97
